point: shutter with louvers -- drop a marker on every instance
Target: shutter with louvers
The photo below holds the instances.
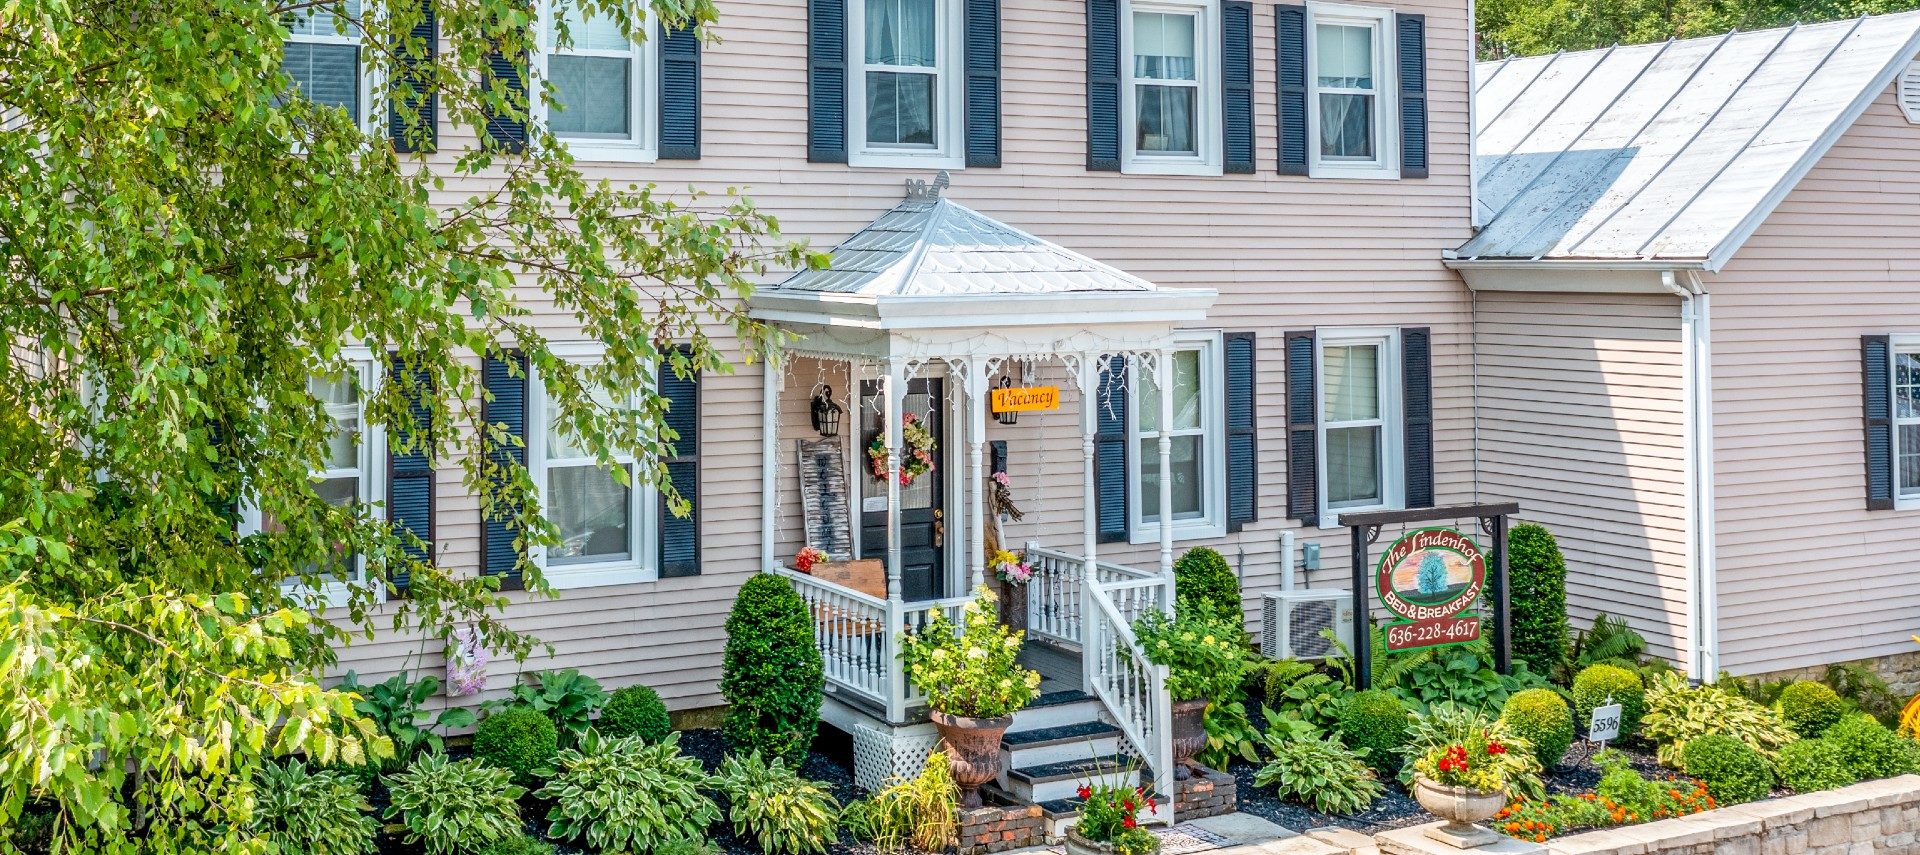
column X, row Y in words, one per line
column 1303, row 429
column 827, row 81
column 413, row 89
column 679, row 94
column 1876, row 356
column 680, row 535
column 983, row 83
column 1243, row 464
column 1416, row 390
column 1290, row 25
column 1103, row 85
column 507, row 131
column 410, row 467
column 1110, row 452
column 506, row 385
column 1411, row 35
column 1236, row 77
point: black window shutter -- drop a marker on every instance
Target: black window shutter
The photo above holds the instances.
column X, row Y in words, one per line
column 680, row 536
column 503, row 131
column 1303, row 430
column 827, row 81
column 1416, row 404
column 679, row 94
column 410, row 467
column 506, row 384
column 1110, row 452
column 983, row 83
column 1236, row 77
column 1290, row 24
column 1412, row 38
column 1876, row 356
column 413, row 87
column 1103, row 85
column 1243, row 464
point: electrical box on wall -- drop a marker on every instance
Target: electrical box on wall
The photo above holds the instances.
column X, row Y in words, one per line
column 1310, row 556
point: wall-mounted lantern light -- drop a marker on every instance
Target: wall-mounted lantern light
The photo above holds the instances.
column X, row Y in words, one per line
column 825, row 413
column 1006, row 417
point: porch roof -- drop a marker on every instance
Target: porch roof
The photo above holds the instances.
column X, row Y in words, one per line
column 932, row 272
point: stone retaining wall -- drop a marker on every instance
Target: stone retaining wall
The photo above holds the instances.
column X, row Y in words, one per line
column 1207, row 793
column 1900, row 670
column 998, row 828
column 1874, row 818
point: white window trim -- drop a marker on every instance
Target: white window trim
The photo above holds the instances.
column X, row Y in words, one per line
column 1386, row 163
column 1392, row 426
column 373, row 492
column 1213, row 430
column 1207, row 130
column 1899, row 344
column 373, row 90
column 949, row 115
column 644, row 145
column 642, row 565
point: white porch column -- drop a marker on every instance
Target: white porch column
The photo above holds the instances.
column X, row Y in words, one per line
column 976, row 532
column 774, row 371
column 1163, row 382
column 1089, row 426
column 893, row 390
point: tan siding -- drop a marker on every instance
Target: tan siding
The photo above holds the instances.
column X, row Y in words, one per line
column 1581, row 420
column 1804, row 568
column 1285, row 253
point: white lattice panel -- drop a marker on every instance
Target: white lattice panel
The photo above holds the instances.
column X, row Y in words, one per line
column 879, row 757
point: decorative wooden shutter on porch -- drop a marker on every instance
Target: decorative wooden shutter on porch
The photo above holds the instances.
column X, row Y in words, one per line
column 827, row 81
column 679, row 94
column 1236, row 74
column 680, row 536
column 983, row 83
column 1303, row 430
column 1876, row 356
column 1110, row 452
column 1416, row 400
column 1290, row 25
column 413, row 86
column 506, row 383
column 1411, row 35
column 1243, row 463
column 410, row 469
column 1103, row 85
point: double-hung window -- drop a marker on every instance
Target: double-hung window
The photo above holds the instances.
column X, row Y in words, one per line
column 1171, row 96
column 1351, row 117
column 604, row 83
column 322, row 55
column 1360, row 447
column 1198, row 463
column 1906, row 422
column 905, row 85
column 603, row 511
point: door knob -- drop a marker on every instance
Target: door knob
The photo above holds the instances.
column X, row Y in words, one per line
column 939, row 529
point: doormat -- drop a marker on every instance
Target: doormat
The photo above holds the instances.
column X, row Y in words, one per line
column 1178, row 840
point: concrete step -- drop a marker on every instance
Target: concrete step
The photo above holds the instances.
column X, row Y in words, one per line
column 1062, row 780
column 1056, row 709
column 1045, row 745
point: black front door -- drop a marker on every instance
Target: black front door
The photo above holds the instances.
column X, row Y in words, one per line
column 922, row 513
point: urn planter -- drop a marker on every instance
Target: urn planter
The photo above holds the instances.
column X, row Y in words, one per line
column 1189, row 735
column 973, row 750
column 1077, row 845
column 1463, row 809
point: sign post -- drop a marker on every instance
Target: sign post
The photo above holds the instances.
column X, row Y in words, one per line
column 1605, row 723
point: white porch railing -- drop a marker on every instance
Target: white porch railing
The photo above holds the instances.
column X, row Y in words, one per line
column 1133, row 690
column 1055, row 597
column 859, row 639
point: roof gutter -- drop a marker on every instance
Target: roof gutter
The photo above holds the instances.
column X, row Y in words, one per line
column 1703, row 607
column 1666, row 265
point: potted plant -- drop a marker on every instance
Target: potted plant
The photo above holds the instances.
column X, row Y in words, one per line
column 1109, row 822
column 973, row 685
column 1463, row 783
column 1205, row 662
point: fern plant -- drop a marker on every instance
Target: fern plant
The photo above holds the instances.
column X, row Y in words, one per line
column 1391, row 668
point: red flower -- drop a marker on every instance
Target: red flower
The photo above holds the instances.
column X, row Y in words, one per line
column 1153, row 805
column 1084, row 792
column 1496, row 748
column 1128, row 822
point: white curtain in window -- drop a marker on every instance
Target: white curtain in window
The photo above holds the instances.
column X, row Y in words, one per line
column 1164, row 49
column 598, row 32
column 1163, row 46
column 1351, row 376
column 900, row 32
column 1906, row 414
column 592, row 76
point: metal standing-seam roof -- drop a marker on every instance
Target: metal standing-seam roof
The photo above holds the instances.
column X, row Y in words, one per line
column 1667, row 152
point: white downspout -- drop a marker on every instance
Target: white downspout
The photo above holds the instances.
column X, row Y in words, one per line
column 1697, row 372
column 774, row 377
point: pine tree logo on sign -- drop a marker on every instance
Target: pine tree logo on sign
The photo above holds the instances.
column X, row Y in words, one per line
column 1428, row 579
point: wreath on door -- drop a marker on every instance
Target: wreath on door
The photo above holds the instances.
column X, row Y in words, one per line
column 918, row 459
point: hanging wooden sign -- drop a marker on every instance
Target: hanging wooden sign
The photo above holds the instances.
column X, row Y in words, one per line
column 1428, row 579
column 1021, row 399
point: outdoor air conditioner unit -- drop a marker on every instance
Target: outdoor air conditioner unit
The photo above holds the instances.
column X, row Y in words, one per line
column 1291, row 621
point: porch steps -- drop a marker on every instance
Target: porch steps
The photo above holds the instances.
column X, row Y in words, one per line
column 1045, row 745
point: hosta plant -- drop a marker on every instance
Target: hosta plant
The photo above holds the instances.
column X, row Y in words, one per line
column 971, row 671
column 311, row 813
column 396, row 706
column 771, row 805
column 624, row 795
column 1678, row 712
column 1316, row 771
column 567, row 696
column 452, row 807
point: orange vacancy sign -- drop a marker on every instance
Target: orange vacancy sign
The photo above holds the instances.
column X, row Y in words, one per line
column 1020, row 399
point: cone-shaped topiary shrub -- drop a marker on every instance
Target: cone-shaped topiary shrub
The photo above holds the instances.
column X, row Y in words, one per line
column 1595, row 683
column 517, row 739
column 1377, row 721
column 1731, row 769
column 1810, row 708
column 1203, row 581
column 635, row 711
column 771, row 673
column 1543, row 718
column 1538, row 575
column 1811, row 765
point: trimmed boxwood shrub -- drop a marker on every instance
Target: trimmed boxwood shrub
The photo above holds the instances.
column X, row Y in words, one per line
column 771, row 674
column 1542, row 717
column 1810, row 708
column 517, row 739
column 1595, row 683
column 1203, row 581
column 1377, row 721
column 1811, row 765
column 635, row 711
column 1538, row 575
column 1731, row 769
column 1871, row 751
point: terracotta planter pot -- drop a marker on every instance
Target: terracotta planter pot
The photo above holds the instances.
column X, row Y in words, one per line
column 973, row 750
column 1462, row 808
column 1189, row 735
column 1077, row 845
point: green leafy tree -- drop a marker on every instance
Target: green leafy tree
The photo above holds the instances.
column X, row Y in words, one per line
column 1433, row 574
column 186, row 242
column 1528, row 27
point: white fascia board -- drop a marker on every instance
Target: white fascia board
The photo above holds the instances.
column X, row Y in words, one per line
column 1084, row 308
column 1560, row 278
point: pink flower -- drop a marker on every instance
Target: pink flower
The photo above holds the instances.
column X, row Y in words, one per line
column 1002, row 479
